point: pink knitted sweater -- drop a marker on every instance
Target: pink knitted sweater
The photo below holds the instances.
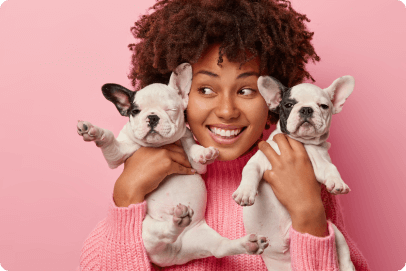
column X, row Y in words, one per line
column 116, row 245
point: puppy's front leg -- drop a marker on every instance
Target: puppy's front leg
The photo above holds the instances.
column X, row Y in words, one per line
column 198, row 156
column 326, row 173
column 89, row 132
column 115, row 151
column 252, row 174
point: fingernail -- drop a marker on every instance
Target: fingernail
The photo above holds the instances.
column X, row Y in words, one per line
column 193, row 170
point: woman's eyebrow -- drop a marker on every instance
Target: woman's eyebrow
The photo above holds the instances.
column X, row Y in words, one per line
column 246, row 74
column 206, row 73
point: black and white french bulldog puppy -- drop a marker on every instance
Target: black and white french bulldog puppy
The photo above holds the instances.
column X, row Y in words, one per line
column 170, row 234
column 305, row 112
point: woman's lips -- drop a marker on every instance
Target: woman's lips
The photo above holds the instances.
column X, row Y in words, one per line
column 223, row 134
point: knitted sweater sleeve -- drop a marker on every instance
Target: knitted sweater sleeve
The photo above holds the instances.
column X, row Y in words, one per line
column 309, row 252
column 116, row 242
column 315, row 253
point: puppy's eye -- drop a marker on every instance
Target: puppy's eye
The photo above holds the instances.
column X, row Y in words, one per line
column 288, row 105
column 135, row 112
column 324, row 106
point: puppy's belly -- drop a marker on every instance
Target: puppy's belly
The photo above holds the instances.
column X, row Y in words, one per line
column 268, row 217
column 189, row 190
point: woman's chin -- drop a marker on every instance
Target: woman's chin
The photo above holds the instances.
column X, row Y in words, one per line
column 227, row 154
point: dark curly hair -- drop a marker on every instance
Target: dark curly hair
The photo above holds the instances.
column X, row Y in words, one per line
column 178, row 31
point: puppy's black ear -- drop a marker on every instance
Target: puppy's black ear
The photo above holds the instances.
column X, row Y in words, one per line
column 120, row 96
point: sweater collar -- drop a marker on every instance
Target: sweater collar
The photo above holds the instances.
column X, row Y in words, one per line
column 240, row 162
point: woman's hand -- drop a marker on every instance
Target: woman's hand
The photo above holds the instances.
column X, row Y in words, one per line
column 295, row 186
column 145, row 169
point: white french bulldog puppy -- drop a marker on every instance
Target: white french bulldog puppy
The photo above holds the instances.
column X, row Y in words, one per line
column 305, row 114
column 156, row 118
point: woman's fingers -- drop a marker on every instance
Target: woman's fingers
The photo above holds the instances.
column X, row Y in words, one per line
column 179, row 163
column 180, row 169
column 283, row 144
column 296, row 145
column 269, row 152
column 175, row 147
column 180, row 158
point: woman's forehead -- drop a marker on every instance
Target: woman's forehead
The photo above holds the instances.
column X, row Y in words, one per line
column 208, row 64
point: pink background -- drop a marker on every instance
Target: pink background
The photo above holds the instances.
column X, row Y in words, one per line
column 54, row 57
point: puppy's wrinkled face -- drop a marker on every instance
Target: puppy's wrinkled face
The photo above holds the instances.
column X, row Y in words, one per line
column 156, row 113
column 305, row 111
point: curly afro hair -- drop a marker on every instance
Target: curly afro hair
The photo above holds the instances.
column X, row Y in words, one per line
column 178, row 31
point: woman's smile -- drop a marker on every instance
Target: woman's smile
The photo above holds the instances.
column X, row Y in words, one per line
column 225, row 134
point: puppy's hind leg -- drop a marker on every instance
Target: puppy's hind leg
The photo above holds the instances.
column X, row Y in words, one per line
column 160, row 236
column 343, row 251
column 201, row 241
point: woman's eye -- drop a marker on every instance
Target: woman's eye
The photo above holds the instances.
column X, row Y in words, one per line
column 246, row 91
column 324, row 106
column 205, row 91
column 289, row 105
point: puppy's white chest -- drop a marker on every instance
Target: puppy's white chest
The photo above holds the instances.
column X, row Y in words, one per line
column 268, row 217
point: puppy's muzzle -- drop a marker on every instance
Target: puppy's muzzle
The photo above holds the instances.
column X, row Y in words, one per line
column 306, row 112
column 153, row 121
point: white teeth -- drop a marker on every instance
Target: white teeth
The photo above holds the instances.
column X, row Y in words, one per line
column 225, row 133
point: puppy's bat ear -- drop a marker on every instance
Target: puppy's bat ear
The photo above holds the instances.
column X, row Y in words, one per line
column 181, row 81
column 271, row 90
column 339, row 91
column 120, row 96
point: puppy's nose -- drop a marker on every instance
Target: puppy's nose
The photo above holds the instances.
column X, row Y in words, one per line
column 153, row 120
column 306, row 111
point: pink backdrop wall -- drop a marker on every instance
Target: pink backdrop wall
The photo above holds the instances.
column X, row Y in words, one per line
column 54, row 57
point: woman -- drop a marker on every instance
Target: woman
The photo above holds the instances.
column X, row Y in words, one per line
column 229, row 44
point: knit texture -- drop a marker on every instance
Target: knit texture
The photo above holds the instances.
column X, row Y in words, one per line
column 116, row 244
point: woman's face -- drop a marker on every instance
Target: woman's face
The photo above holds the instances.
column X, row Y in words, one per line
column 225, row 108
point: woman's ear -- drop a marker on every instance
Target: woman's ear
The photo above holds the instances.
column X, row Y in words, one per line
column 271, row 90
column 339, row 91
column 181, row 81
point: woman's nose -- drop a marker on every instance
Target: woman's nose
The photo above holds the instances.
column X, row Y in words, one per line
column 226, row 108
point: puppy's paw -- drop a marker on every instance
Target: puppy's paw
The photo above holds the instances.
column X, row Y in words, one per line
column 255, row 244
column 245, row 195
column 205, row 156
column 182, row 215
column 336, row 185
column 89, row 132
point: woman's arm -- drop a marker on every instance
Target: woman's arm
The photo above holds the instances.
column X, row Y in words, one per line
column 146, row 169
column 116, row 242
column 312, row 240
column 294, row 184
